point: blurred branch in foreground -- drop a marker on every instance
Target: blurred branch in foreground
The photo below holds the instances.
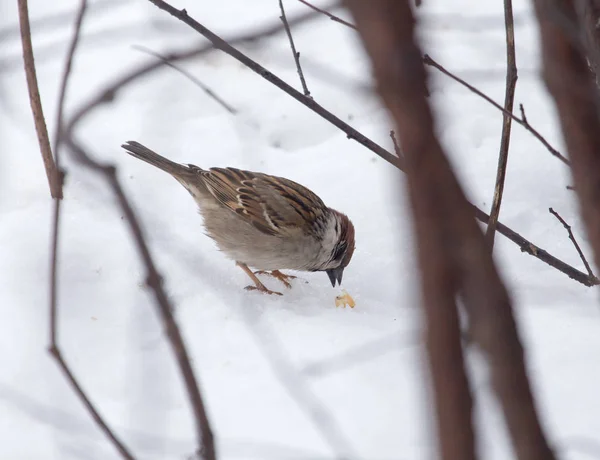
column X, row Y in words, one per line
column 453, row 256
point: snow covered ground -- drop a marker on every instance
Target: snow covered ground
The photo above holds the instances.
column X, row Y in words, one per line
column 363, row 368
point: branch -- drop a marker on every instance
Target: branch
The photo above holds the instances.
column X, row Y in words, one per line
column 53, row 347
column 537, row 252
column 386, row 28
column 428, row 60
column 204, row 434
column 453, row 255
column 572, row 238
column 54, row 180
column 209, row 92
column 523, row 122
column 576, row 96
column 509, row 97
column 333, row 17
column 294, row 52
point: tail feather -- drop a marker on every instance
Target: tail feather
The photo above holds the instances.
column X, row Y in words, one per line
column 137, row 150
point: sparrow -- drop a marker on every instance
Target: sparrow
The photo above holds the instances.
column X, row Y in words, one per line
column 266, row 222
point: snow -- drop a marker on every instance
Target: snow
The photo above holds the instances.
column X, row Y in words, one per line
column 364, row 367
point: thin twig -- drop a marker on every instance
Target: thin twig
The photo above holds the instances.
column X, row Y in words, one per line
column 431, row 62
column 575, row 94
column 537, row 252
column 572, row 238
column 53, row 347
column 294, row 52
column 90, row 407
column 209, row 92
column 206, row 446
column 333, row 17
column 65, row 79
column 524, row 123
column 509, row 98
column 36, row 104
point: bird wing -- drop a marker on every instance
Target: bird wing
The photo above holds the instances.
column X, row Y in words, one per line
column 273, row 205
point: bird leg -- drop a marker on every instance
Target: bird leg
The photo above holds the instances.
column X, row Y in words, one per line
column 278, row 275
column 258, row 286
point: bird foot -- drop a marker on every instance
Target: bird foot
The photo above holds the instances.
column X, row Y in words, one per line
column 262, row 288
column 278, row 275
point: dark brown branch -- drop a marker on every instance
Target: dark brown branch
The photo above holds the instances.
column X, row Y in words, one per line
column 537, row 252
column 209, row 92
column 431, row 62
column 204, row 434
column 89, row 406
column 576, row 96
column 572, row 238
column 452, row 252
column 523, row 122
column 295, row 53
column 53, row 347
column 509, row 98
column 386, row 28
column 54, row 180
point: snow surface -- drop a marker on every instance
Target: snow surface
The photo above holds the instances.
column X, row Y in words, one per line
column 364, row 367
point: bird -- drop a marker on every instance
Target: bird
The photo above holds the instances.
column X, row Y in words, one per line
column 262, row 221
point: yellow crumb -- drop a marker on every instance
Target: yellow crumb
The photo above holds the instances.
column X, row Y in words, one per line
column 344, row 299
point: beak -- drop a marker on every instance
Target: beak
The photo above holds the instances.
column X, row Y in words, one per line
column 335, row 274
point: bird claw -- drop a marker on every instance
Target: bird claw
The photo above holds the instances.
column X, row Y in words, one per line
column 278, row 275
column 262, row 289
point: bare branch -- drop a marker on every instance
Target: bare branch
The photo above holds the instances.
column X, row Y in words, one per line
column 52, row 174
column 431, row 62
column 524, row 123
column 452, row 252
column 539, row 253
column 294, row 52
column 509, row 97
column 209, row 92
column 333, row 17
column 387, row 27
column 53, row 347
column 204, row 434
column 572, row 238
column 576, row 96
column 125, row 453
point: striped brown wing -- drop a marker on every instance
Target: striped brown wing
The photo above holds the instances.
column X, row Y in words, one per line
column 274, row 205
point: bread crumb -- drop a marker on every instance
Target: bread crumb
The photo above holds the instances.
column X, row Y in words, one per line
column 344, row 299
